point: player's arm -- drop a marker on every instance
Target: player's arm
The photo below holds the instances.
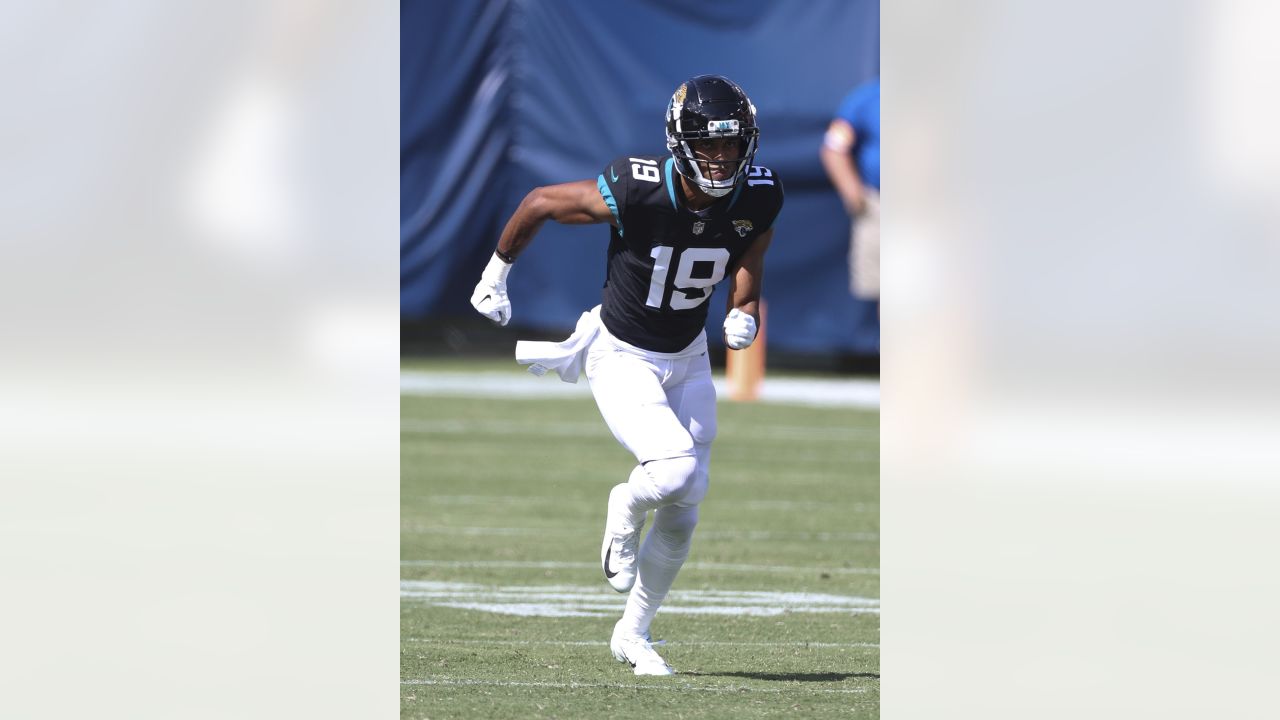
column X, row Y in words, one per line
column 743, row 315
column 575, row 203
column 837, row 159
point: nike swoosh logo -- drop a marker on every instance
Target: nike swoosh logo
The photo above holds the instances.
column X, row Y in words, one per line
column 614, row 175
column 606, row 563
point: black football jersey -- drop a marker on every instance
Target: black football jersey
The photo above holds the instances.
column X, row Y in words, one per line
column 665, row 259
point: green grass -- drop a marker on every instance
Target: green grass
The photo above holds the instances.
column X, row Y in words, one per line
column 496, row 494
column 505, row 365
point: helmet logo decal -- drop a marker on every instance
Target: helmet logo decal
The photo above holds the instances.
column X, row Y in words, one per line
column 743, row 227
column 677, row 101
column 717, row 126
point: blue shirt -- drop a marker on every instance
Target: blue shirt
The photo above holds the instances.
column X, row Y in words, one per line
column 861, row 109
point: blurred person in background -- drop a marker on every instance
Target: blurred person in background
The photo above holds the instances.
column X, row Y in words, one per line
column 851, row 156
column 680, row 224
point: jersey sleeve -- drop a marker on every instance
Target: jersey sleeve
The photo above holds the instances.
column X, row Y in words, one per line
column 615, row 188
column 772, row 205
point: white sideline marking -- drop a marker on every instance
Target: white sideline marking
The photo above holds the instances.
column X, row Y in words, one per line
column 844, row 392
column 597, row 601
column 622, row 686
column 524, row 500
column 441, row 426
column 790, row 461
column 474, row 531
column 806, row 505
column 669, row 643
column 561, row 565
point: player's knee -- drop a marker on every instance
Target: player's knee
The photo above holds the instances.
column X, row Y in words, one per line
column 701, row 480
column 697, row 489
column 703, row 430
column 675, row 524
column 675, row 478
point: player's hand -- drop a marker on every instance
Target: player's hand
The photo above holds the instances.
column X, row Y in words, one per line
column 739, row 329
column 490, row 297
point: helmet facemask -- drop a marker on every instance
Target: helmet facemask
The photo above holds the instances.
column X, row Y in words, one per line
column 714, row 173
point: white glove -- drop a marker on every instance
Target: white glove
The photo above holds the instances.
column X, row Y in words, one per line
column 739, row 329
column 490, row 297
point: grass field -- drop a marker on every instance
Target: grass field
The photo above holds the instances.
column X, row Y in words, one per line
column 504, row 612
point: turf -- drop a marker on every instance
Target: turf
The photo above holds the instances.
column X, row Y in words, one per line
column 510, row 494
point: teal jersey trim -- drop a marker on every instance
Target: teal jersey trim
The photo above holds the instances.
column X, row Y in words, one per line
column 737, row 191
column 671, row 189
column 607, row 194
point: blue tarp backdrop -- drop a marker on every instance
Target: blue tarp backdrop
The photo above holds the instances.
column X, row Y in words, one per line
column 500, row 96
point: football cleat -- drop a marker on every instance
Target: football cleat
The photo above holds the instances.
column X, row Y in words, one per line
column 621, row 546
column 638, row 652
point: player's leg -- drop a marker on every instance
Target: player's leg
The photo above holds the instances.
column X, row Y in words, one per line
column 633, row 403
column 694, row 403
column 667, row 545
column 691, row 399
column 665, row 549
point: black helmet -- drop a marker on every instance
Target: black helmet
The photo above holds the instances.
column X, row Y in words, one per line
column 705, row 107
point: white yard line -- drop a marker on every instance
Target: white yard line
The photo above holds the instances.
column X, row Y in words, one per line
column 790, row 433
column 558, row 565
column 675, row 685
column 844, row 392
column 524, row 500
column 806, row 505
column 762, row 535
column 786, row 465
column 598, row 601
column 613, row 608
column 668, row 643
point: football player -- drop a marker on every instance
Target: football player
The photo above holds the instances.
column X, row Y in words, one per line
column 680, row 224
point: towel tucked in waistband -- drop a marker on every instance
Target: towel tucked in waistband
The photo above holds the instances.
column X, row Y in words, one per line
column 565, row 357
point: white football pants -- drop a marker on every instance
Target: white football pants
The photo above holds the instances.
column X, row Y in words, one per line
column 661, row 407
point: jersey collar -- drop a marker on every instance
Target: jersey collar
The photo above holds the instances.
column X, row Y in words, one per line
column 680, row 204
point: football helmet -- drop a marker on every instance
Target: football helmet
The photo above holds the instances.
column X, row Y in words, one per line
column 703, row 110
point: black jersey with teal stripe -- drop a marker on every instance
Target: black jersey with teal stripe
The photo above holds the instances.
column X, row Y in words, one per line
column 665, row 259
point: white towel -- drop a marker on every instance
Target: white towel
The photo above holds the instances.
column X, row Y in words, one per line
column 565, row 357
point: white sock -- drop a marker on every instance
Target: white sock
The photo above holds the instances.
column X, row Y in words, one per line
column 661, row 557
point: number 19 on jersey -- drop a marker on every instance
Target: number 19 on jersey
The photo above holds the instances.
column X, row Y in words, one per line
column 687, row 292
